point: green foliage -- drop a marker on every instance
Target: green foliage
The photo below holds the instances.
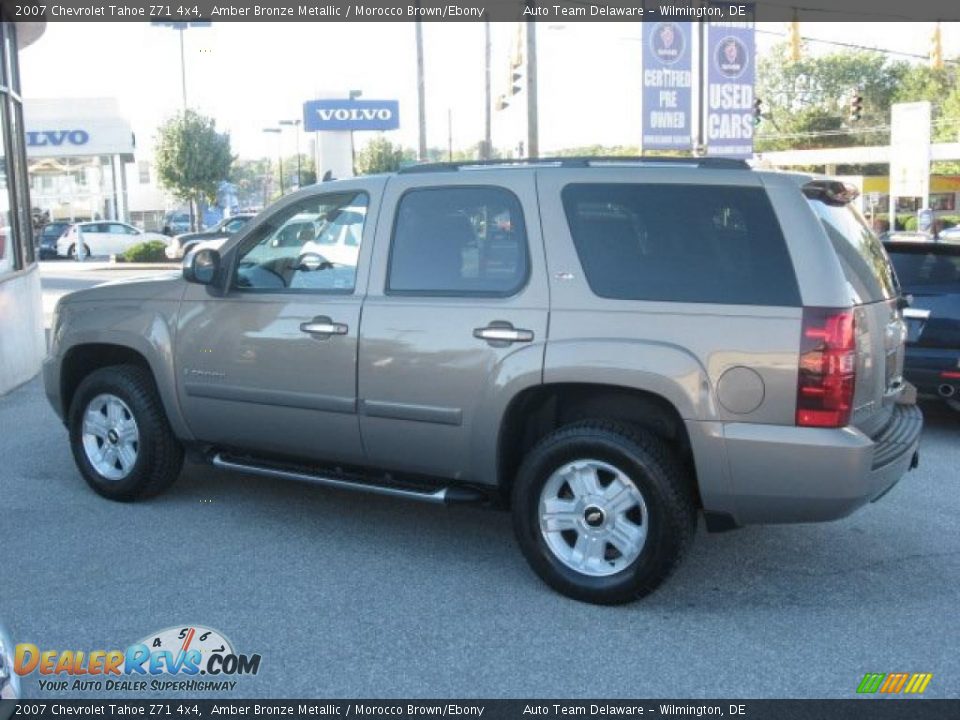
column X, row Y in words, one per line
column 252, row 178
column 813, row 96
column 379, row 156
column 191, row 156
column 599, row 150
column 146, row 252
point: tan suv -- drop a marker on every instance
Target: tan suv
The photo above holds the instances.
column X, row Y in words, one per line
column 608, row 347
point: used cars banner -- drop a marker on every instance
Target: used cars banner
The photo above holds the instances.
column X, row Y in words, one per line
column 731, row 70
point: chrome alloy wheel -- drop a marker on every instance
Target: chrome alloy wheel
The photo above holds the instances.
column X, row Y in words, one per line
column 593, row 518
column 111, row 438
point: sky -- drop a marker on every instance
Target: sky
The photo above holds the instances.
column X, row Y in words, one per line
column 248, row 75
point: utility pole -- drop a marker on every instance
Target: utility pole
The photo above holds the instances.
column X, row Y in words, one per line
column 421, row 93
column 449, row 134
column 533, row 136
column 795, row 37
column 296, row 127
column 936, row 49
column 487, row 152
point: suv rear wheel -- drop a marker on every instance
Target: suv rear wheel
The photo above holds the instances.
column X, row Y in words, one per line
column 603, row 511
column 119, row 434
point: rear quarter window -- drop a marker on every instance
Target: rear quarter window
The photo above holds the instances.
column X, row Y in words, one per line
column 865, row 263
column 680, row 243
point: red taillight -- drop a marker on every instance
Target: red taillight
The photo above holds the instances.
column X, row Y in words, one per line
column 828, row 368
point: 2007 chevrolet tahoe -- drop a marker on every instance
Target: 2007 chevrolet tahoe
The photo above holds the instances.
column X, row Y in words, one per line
column 607, row 347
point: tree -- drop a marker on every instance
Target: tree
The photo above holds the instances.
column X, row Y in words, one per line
column 192, row 158
column 252, row 178
column 379, row 156
column 806, row 103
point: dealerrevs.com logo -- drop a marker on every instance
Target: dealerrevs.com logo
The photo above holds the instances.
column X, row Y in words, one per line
column 188, row 659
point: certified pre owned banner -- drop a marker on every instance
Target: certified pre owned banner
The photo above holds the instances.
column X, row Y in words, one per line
column 730, row 60
column 667, row 84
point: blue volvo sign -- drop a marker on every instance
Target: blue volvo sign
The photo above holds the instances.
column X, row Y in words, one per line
column 56, row 137
column 319, row 115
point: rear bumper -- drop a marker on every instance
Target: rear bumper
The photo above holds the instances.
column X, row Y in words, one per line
column 781, row 474
column 924, row 367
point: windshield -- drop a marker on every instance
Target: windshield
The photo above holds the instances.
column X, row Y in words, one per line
column 864, row 261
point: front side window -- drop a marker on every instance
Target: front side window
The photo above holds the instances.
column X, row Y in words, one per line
column 458, row 241
column 680, row 243
column 290, row 250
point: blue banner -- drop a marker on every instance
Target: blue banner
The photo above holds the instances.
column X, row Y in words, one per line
column 731, row 70
column 319, row 115
column 667, row 85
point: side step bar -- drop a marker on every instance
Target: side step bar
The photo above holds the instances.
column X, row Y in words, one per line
column 442, row 496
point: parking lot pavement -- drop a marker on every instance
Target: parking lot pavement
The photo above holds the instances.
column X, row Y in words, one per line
column 59, row 277
column 350, row 595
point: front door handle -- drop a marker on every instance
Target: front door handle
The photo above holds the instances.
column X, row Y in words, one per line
column 324, row 327
column 500, row 333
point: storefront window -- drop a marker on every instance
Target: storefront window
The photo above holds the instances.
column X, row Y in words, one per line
column 8, row 235
column 943, row 202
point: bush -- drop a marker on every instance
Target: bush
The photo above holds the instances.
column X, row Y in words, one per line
column 145, row 252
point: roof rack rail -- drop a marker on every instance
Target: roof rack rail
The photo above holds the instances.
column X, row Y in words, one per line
column 716, row 163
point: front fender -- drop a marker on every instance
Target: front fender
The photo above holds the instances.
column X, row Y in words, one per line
column 147, row 327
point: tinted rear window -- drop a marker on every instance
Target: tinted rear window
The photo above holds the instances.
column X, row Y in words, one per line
column 680, row 243
column 919, row 267
column 862, row 257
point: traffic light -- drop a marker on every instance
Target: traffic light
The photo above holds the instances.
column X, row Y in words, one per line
column 501, row 103
column 936, row 49
column 757, row 111
column 795, row 39
column 514, row 85
column 856, row 106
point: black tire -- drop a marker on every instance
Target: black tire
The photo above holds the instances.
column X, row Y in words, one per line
column 72, row 252
column 651, row 466
column 159, row 453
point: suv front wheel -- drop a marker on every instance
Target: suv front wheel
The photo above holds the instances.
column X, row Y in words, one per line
column 603, row 511
column 119, row 434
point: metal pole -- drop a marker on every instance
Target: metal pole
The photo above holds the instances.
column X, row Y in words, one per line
column 699, row 147
column 421, row 93
column 183, row 71
column 296, row 127
column 487, row 139
column 449, row 135
column 533, row 138
column 280, row 160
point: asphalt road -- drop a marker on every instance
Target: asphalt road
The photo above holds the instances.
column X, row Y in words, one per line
column 349, row 595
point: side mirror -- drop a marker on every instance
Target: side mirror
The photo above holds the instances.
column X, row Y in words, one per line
column 201, row 266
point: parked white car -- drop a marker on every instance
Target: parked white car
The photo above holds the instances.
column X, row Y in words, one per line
column 104, row 237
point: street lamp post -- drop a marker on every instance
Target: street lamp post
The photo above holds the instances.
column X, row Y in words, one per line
column 181, row 27
column 296, row 128
column 276, row 131
column 354, row 94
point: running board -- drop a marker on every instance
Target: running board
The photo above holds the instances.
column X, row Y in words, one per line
column 442, row 496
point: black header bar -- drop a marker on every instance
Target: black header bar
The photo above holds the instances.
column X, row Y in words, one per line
column 194, row 11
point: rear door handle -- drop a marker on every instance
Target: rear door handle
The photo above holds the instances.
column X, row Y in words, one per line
column 324, row 327
column 503, row 333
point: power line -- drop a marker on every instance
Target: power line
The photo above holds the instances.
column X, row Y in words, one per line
column 856, row 46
